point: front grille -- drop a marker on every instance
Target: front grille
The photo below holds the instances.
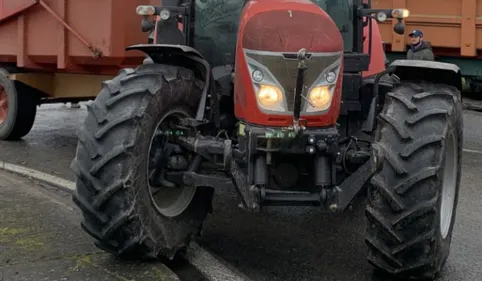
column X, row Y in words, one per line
column 284, row 66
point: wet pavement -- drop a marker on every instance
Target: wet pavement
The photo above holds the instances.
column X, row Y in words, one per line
column 40, row 239
column 472, row 104
column 283, row 243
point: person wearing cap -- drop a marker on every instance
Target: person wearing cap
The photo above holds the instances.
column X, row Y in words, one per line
column 419, row 49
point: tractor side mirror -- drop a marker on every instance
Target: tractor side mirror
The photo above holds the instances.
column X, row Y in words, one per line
column 383, row 15
column 398, row 14
column 399, row 27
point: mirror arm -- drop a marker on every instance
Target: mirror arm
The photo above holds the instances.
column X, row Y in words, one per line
column 399, row 27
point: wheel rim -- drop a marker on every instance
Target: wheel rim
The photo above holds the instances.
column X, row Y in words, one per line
column 3, row 104
column 449, row 182
column 169, row 200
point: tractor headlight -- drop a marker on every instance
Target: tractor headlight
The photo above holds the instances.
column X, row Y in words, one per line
column 258, row 76
column 165, row 14
column 146, row 10
column 331, row 77
column 400, row 13
column 382, row 16
column 270, row 97
column 319, row 98
column 320, row 94
column 269, row 93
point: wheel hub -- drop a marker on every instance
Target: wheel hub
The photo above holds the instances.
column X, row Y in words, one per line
column 449, row 182
column 168, row 198
column 3, row 104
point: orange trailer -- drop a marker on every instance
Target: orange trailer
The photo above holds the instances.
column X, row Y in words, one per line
column 454, row 29
column 60, row 51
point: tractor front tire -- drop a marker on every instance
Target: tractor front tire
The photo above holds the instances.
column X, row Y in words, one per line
column 111, row 164
column 413, row 195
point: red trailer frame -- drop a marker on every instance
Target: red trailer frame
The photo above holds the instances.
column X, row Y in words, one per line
column 60, row 51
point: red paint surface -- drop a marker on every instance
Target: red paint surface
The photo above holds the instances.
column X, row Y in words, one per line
column 377, row 58
column 9, row 8
column 286, row 36
column 276, row 31
column 32, row 38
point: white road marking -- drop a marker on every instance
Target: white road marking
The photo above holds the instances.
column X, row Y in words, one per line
column 473, row 151
column 40, row 176
column 211, row 267
column 214, row 269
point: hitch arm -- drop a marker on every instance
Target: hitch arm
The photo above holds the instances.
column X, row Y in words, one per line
column 340, row 197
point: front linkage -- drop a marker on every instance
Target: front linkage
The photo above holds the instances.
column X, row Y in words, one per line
column 241, row 166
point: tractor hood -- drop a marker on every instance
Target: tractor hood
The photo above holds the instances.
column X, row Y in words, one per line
column 289, row 26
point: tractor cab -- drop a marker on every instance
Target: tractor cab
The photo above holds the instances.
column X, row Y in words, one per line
column 216, row 26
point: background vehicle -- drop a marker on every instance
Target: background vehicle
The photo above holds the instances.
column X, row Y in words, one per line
column 60, row 51
column 292, row 122
column 453, row 29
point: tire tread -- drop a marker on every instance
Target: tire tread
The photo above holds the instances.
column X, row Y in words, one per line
column 106, row 162
column 402, row 207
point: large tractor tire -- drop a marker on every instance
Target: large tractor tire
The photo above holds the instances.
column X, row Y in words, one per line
column 18, row 108
column 413, row 195
column 128, row 213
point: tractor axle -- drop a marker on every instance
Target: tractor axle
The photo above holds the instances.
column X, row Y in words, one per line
column 245, row 166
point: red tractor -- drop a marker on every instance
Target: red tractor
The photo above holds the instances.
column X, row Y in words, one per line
column 289, row 103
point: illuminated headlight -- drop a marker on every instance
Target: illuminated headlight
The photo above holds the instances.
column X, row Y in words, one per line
column 165, row 14
column 400, row 13
column 319, row 98
column 258, row 76
column 146, row 10
column 270, row 97
column 269, row 94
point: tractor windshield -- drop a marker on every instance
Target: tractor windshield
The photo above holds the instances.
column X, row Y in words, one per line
column 217, row 26
column 341, row 13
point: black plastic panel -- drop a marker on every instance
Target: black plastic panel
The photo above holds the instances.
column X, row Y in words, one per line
column 356, row 62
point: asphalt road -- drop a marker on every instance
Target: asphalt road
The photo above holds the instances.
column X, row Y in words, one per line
column 283, row 243
column 41, row 240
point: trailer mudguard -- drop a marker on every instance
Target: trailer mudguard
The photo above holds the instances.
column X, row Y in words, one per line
column 433, row 71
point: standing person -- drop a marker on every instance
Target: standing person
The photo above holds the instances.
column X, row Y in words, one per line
column 419, row 49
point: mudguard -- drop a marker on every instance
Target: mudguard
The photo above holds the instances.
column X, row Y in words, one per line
column 153, row 50
column 183, row 56
column 415, row 70
column 433, row 71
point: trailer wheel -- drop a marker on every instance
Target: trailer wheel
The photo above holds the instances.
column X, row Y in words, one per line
column 412, row 199
column 128, row 212
column 18, row 108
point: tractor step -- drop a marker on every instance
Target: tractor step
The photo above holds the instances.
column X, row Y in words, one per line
column 270, row 197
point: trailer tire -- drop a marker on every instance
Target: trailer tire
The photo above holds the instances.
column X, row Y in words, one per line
column 112, row 188
column 18, row 108
column 413, row 195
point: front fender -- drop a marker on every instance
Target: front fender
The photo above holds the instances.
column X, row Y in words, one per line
column 433, row 71
column 154, row 50
column 183, row 56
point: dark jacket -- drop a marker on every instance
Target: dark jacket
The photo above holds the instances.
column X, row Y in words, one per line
column 421, row 52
